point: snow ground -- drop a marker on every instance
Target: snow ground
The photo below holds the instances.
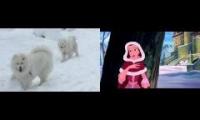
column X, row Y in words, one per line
column 178, row 77
column 77, row 74
column 171, row 69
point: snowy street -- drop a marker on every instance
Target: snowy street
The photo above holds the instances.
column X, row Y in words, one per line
column 77, row 74
column 178, row 77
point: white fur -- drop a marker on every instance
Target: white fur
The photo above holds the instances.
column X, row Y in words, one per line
column 68, row 46
column 38, row 63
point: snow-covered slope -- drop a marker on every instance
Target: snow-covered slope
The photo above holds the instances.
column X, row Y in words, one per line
column 77, row 74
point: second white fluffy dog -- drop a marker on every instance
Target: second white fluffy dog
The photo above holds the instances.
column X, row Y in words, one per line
column 68, row 46
column 38, row 63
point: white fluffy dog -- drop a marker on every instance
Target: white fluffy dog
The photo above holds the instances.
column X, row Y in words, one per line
column 68, row 46
column 38, row 63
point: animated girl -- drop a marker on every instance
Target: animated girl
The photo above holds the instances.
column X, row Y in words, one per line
column 133, row 71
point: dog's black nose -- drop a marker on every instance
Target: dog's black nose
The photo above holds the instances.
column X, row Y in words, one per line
column 20, row 69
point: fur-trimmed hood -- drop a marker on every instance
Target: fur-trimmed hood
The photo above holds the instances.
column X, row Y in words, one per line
column 125, row 57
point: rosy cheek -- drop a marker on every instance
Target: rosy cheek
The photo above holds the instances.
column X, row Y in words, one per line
column 137, row 53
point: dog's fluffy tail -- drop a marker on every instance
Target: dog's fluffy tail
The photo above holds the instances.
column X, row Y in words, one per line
column 42, row 49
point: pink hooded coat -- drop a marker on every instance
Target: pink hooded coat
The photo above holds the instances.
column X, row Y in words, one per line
column 135, row 77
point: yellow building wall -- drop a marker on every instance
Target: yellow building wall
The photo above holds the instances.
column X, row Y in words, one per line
column 197, row 45
column 183, row 51
column 187, row 37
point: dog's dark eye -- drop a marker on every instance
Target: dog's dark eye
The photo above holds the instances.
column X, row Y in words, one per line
column 23, row 58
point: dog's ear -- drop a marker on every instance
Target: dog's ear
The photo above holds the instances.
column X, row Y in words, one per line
column 23, row 58
column 14, row 57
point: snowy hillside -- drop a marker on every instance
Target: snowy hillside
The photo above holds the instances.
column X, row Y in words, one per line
column 77, row 74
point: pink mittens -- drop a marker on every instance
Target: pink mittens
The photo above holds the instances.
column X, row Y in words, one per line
column 145, row 83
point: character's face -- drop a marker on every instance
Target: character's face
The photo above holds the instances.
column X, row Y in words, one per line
column 133, row 51
column 19, row 62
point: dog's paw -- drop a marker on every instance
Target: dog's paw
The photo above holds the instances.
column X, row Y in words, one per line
column 63, row 60
column 13, row 77
column 25, row 87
